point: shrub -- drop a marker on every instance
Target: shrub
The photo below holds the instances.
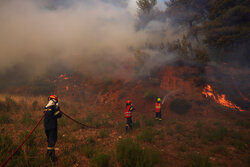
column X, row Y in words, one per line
column 179, row 128
column 31, row 140
column 91, row 140
column 136, row 124
column 182, row 148
column 149, row 95
column 90, row 117
column 103, row 133
column 35, row 105
column 9, row 105
column 27, row 119
column 196, row 160
column 147, row 135
column 5, row 119
column 239, row 144
column 220, row 149
column 149, row 122
column 130, row 154
column 88, row 150
column 155, row 81
column 218, row 134
column 180, row 106
column 243, row 123
column 100, row 160
column 170, row 132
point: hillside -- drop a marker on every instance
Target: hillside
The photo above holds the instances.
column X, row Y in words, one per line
column 207, row 134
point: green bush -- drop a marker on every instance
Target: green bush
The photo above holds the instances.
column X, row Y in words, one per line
column 136, row 124
column 155, row 81
column 88, row 150
column 239, row 144
column 147, row 135
column 5, row 119
column 35, row 105
column 220, row 149
column 9, row 105
column 150, row 95
column 100, row 160
column 170, row 132
column 27, row 119
column 103, row 133
column 217, row 134
column 179, row 128
column 196, row 160
column 130, row 154
column 180, row 106
column 91, row 140
column 25, row 158
column 243, row 123
column 149, row 121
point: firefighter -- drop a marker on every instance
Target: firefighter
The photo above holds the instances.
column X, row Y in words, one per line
column 50, row 125
column 158, row 109
column 128, row 114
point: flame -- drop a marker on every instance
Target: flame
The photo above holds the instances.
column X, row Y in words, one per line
column 221, row 99
column 67, row 87
column 63, row 77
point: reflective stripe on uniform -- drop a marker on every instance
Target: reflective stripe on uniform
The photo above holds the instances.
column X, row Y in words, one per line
column 50, row 148
column 56, row 113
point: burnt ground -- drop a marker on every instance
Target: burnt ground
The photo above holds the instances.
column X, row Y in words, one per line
column 208, row 129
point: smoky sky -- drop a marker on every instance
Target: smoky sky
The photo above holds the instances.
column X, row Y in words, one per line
column 75, row 32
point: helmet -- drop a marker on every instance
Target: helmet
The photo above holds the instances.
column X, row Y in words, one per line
column 128, row 102
column 158, row 99
column 53, row 97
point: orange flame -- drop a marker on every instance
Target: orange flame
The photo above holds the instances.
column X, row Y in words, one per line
column 63, row 77
column 67, row 87
column 221, row 99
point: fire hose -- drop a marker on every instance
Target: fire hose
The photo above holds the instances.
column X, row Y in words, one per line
column 77, row 121
column 6, row 161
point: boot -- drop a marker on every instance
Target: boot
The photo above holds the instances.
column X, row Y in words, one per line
column 126, row 128
column 51, row 155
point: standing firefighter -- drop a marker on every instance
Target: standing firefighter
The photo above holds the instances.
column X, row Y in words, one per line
column 50, row 125
column 128, row 114
column 158, row 109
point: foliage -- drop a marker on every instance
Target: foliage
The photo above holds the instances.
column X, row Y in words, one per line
column 100, row 160
column 150, row 95
column 9, row 105
column 27, row 119
column 147, row 135
column 180, row 106
column 130, row 154
column 146, row 5
column 197, row 160
column 35, row 105
column 88, row 150
column 103, row 133
column 5, row 118
column 148, row 121
column 217, row 134
column 228, row 23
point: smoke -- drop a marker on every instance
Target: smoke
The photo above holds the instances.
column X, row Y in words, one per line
column 75, row 33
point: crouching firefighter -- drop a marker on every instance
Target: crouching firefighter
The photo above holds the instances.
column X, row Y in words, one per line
column 50, row 125
column 158, row 109
column 128, row 114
